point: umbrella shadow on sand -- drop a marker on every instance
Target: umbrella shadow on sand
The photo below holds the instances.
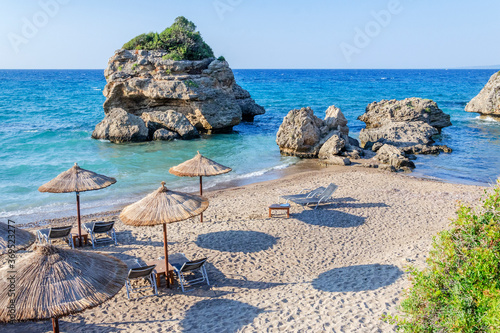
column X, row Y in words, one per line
column 329, row 218
column 236, row 241
column 218, row 315
column 127, row 236
column 46, row 326
column 357, row 278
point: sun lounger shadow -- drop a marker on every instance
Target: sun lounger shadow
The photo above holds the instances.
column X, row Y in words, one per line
column 219, row 279
column 236, row 241
column 361, row 205
column 218, row 315
column 357, row 278
column 330, row 218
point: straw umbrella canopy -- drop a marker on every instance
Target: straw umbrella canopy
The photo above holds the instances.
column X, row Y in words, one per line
column 77, row 180
column 199, row 166
column 12, row 238
column 161, row 207
column 53, row 282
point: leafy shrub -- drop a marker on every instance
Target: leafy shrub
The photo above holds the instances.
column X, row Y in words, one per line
column 134, row 66
column 180, row 40
column 459, row 291
column 221, row 58
column 192, row 84
column 120, row 68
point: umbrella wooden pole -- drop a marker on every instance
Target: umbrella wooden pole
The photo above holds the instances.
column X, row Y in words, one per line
column 55, row 325
column 201, row 193
column 165, row 246
column 79, row 221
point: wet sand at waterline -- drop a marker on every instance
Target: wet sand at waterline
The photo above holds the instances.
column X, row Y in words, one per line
column 337, row 268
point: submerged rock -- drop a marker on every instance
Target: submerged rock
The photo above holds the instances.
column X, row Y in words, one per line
column 487, row 102
column 203, row 91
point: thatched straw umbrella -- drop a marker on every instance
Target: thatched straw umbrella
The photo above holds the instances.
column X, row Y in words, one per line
column 77, row 180
column 161, row 207
column 53, row 282
column 199, row 166
column 14, row 239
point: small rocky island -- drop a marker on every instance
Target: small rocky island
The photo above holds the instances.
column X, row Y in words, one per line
column 487, row 102
column 395, row 131
column 169, row 86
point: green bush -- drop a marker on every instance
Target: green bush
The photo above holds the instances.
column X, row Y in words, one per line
column 221, row 58
column 180, row 40
column 459, row 290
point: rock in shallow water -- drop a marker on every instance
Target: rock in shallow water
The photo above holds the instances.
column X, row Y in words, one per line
column 165, row 135
column 120, row 126
column 204, row 91
column 487, row 102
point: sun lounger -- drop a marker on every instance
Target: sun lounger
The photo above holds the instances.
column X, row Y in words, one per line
column 304, row 194
column 101, row 228
column 49, row 234
column 147, row 273
column 183, row 267
column 322, row 197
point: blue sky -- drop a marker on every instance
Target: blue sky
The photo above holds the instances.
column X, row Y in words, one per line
column 258, row 33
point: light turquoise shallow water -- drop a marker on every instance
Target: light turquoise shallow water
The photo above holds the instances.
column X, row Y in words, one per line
column 46, row 118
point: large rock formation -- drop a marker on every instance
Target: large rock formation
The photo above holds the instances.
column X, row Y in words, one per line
column 487, row 102
column 304, row 135
column 408, row 122
column 203, row 92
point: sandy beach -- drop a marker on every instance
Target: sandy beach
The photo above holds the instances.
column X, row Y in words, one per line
column 334, row 269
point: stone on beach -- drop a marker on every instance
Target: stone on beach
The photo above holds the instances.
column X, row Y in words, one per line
column 303, row 134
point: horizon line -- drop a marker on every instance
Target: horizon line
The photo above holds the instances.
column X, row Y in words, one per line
column 436, row 68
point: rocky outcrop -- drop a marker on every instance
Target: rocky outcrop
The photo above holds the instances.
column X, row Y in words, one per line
column 487, row 102
column 163, row 134
column 393, row 156
column 399, row 134
column 120, row 126
column 404, row 123
column 204, row 91
column 170, row 120
column 249, row 109
column 304, row 135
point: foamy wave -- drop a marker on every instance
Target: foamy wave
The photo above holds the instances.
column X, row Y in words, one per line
column 486, row 118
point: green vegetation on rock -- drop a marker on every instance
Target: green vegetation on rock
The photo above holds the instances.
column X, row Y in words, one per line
column 459, row 291
column 180, row 40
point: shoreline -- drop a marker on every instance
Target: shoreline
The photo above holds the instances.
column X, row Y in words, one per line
column 302, row 167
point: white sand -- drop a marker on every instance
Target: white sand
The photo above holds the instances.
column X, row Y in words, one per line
column 335, row 269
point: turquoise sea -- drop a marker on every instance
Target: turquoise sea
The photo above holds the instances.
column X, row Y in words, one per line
column 47, row 117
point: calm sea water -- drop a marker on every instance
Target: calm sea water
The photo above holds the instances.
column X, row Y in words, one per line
column 47, row 117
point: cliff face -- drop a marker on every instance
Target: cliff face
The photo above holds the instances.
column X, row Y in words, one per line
column 203, row 91
column 487, row 102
